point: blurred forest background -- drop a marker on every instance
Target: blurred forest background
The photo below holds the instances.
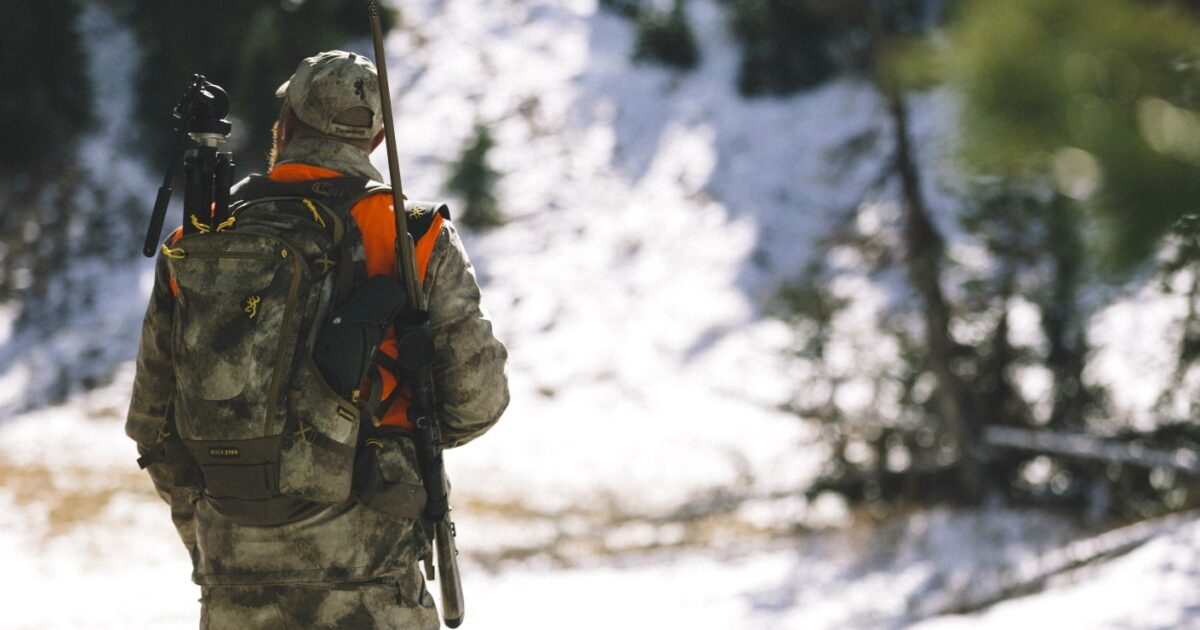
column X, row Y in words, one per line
column 1079, row 151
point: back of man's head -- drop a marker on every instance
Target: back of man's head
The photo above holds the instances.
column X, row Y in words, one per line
column 336, row 93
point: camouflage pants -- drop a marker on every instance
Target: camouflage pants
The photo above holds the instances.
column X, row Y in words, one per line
column 398, row 602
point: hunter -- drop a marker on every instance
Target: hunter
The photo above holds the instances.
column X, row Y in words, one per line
column 349, row 564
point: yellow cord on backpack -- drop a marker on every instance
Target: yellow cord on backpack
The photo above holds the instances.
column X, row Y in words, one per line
column 176, row 253
column 313, row 209
column 226, row 224
column 200, row 226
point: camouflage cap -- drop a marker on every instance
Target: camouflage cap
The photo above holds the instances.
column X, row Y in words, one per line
column 326, row 85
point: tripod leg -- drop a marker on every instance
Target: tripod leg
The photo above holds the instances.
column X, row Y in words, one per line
column 222, row 182
column 199, row 166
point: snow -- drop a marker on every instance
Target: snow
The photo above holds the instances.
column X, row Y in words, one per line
column 1154, row 587
column 121, row 560
column 1139, row 355
column 610, row 178
column 651, row 214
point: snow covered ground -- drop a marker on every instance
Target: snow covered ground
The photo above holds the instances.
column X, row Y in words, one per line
column 650, row 213
column 76, row 517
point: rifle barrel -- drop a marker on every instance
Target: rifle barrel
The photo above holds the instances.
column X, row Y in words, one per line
column 422, row 407
column 405, row 249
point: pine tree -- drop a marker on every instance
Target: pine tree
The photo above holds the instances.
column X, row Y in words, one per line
column 785, row 46
column 247, row 47
column 1102, row 94
column 666, row 38
column 473, row 180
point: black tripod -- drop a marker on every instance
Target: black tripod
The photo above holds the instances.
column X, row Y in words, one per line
column 208, row 173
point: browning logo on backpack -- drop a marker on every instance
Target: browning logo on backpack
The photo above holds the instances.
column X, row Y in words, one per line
column 273, row 440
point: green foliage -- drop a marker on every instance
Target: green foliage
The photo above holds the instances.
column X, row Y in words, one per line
column 1102, row 95
column 1037, row 245
column 871, row 393
column 46, row 100
column 666, row 38
column 892, row 446
column 473, row 180
column 1179, row 274
column 785, row 46
column 248, row 47
column 810, row 308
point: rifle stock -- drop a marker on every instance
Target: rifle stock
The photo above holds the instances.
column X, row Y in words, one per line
column 421, row 408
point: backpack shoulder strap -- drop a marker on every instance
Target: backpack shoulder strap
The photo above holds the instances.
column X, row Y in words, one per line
column 421, row 214
column 333, row 190
column 344, row 191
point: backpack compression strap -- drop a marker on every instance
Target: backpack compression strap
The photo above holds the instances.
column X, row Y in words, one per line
column 340, row 190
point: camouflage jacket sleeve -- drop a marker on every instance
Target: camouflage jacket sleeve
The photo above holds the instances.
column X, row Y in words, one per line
column 153, row 387
column 469, row 366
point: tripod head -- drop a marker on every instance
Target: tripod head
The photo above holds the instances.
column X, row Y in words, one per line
column 203, row 109
column 201, row 115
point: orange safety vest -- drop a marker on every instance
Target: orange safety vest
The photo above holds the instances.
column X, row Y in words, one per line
column 378, row 226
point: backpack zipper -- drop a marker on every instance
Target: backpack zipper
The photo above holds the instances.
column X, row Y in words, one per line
column 277, row 377
column 227, row 254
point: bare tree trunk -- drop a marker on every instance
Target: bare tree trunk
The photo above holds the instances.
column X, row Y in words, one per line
column 925, row 251
column 1063, row 322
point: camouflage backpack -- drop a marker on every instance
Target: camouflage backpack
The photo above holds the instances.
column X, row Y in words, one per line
column 272, row 435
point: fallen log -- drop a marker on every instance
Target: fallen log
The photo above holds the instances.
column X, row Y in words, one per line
column 1089, row 447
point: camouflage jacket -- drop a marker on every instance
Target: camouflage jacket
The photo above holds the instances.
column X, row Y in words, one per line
column 345, row 542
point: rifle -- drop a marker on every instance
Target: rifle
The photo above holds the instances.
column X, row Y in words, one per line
column 416, row 359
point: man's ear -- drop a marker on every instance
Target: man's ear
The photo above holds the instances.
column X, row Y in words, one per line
column 287, row 124
column 377, row 139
